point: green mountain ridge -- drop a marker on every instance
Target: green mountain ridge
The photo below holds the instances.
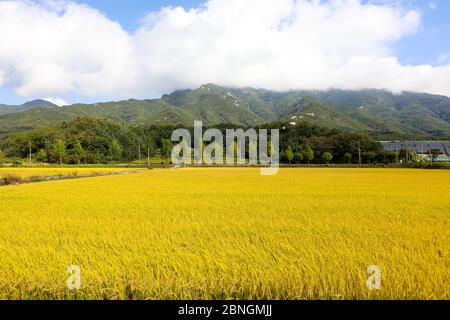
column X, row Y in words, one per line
column 378, row 112
column 39, row 103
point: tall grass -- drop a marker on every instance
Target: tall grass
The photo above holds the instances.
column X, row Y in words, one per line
column 9, row 178
column 229, row 234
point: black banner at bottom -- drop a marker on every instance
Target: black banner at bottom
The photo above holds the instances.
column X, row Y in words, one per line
column 225, row 309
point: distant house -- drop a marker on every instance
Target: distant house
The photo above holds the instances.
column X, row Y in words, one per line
column 422, row 148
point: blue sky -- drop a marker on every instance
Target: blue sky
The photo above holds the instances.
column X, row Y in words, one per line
column 428, row 44
column 129, row 12
column 433, row 39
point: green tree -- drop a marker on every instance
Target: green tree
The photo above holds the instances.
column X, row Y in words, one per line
column 299, row 156
column 150, row 146
column 166, row 148
column 404, row 154
column 370, row 156
column 59, row 150
column 2, row 156
column 390, row 156
column 253, row 151
column 236, row 151
column 41, row 155
column 348, row 156
column 327, row 156
column 115, row 150
column 289, row 154
column 98, row 157
column 309, row 154
column 80, row 154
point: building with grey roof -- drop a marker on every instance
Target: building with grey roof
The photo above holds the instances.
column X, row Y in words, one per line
column 420, row 147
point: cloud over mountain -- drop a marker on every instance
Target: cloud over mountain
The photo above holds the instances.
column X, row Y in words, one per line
column 52, row 48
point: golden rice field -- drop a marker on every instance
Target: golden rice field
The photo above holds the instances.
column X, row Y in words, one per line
column 28, row 172
column 229, row 234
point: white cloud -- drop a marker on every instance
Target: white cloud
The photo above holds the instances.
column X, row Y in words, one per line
column 58, row 101
column 46, row 51
column 443, row 57
column 432, row 6
column 60, row 48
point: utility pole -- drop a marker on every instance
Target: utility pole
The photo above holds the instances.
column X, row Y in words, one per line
column 359, row 153
column 29, row 154
column 407, row 151
column 430, row 155
column 148, row 158
column 139, row 149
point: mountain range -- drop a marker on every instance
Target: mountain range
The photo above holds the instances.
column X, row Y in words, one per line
column 39, row 103
column 379, row 113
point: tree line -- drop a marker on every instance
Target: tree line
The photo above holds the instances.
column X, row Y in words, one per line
column 99, row 141
column 88, row 141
